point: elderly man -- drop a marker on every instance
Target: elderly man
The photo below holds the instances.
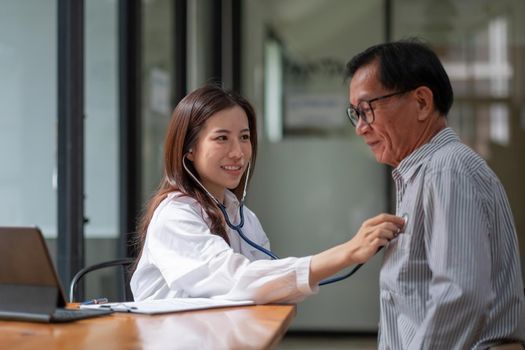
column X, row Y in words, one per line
column 453, row 279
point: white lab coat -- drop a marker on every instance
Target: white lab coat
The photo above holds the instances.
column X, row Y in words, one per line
column 182, row 258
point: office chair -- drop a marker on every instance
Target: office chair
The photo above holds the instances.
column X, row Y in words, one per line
column 123, row 265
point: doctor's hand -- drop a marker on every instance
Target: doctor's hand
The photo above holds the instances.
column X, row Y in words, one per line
column 373, row 234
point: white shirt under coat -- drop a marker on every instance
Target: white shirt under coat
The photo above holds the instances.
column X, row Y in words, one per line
column 182, row 258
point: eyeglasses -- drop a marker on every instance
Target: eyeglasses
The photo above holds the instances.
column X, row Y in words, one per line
column 365, row 111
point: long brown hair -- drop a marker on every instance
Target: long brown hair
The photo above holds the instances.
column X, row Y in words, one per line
column 188, row 118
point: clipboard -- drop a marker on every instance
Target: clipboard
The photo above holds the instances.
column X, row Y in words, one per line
column 161, row 306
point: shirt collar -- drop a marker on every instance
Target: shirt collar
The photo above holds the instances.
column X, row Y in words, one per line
column 230, row 200
column 409, row 166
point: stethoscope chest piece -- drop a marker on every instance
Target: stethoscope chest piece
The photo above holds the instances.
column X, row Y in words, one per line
column 405, row 219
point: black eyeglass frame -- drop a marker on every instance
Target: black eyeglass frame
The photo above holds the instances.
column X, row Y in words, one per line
column 361, row 113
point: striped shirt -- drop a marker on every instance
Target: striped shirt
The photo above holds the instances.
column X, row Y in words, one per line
column 453, row 279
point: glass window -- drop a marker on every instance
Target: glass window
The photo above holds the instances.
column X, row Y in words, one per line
column 101, row 142
column 294, row 53
column 101, row 123
column 28, row 121
column 157, row 99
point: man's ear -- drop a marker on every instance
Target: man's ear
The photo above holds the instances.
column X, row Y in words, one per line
column 425, row 102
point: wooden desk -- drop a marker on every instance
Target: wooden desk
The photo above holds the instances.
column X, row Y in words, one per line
column 245, row 327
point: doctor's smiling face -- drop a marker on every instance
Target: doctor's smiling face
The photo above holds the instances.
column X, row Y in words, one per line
column 222, row 150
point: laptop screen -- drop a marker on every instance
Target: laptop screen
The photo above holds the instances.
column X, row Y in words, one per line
column 29, row 286
column 28, row 282
column 24, row 258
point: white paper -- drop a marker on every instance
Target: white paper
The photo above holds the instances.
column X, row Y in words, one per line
column 167, row 305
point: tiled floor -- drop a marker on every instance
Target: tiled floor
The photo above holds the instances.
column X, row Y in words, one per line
column 327, row 342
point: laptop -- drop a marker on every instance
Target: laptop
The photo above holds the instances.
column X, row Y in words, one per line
column 29, row 286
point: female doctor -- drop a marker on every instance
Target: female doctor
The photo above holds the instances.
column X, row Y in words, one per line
column 186, row 248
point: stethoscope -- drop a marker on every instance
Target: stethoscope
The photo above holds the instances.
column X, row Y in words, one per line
column 238, row 227
column 221, row 206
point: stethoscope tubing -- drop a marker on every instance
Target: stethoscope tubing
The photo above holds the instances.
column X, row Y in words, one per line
column 238, row 227
column 269, row 253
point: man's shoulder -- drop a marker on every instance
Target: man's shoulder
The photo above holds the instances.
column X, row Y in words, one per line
column 456, row 156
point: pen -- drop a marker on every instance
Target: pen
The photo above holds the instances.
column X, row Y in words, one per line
column 95, row 301
column 119, row 307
